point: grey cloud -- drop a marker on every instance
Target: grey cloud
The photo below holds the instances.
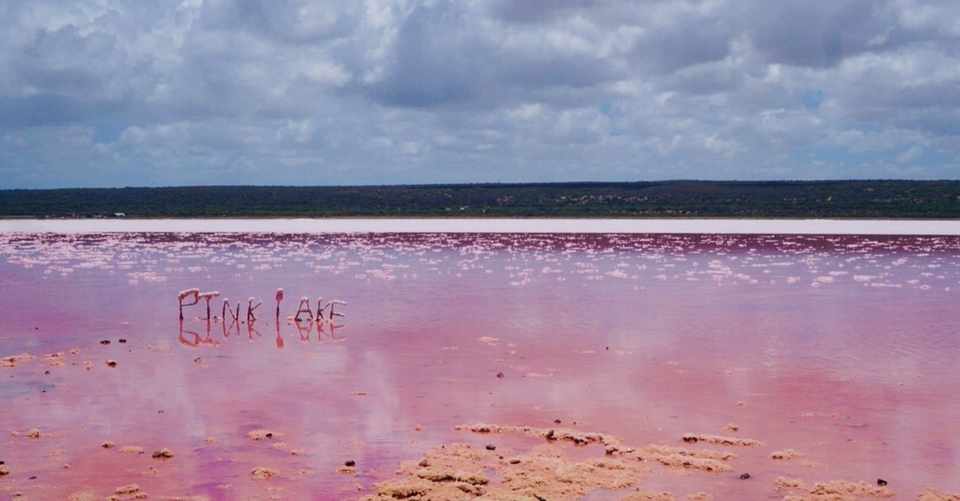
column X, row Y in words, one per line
column 51, row 109
column 687, row 39
column 292, row 21
column 543, row 69
column 441, row 57
column 704, row 79
column 817, row 34
column 436, row 59
column 807, row 34
column 533, row 11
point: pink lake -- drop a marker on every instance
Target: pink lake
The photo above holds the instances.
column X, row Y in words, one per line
column 843, row 348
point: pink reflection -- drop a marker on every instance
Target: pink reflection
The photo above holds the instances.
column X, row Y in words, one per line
column 842, row 348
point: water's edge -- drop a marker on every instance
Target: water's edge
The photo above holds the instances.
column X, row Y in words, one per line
column 468, row 225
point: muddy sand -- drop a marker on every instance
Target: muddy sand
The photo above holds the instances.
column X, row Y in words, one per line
column 460, row 471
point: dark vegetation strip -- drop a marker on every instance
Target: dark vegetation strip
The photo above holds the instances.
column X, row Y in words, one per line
column 787, row 199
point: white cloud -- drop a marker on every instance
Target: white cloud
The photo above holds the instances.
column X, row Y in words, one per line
column 369, row 91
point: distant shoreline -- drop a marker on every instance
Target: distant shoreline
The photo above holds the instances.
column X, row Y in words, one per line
column 781, row 200
column 441, row 217
column 873, row 227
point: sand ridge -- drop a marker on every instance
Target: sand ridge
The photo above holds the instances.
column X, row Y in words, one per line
column 460, row 471
column 463, row 471
column 834, row 490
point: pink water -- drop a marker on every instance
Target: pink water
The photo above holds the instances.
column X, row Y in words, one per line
column 843, row 348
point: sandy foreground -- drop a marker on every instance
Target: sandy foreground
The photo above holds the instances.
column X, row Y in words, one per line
column 462, row 471
column 464, row 225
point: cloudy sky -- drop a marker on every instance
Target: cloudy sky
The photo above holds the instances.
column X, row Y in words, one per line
column 169, row 92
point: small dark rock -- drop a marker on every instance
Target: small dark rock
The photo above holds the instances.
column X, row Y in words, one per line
column 745, row 476
column 690, row 439
column 607, row 348
column 500, row 375
column 881, row 482
column 550, row 435
column 104, row 341
column 111, row 363
column 33, row 477
column 349, row 463
column 121, row 340
column 491, row 447
column 269, row 434
column 423, row 463
column 46, row 373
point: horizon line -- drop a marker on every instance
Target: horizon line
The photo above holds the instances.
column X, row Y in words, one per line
column 501, row 183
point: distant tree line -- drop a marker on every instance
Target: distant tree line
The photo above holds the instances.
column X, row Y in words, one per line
column 772, row 199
